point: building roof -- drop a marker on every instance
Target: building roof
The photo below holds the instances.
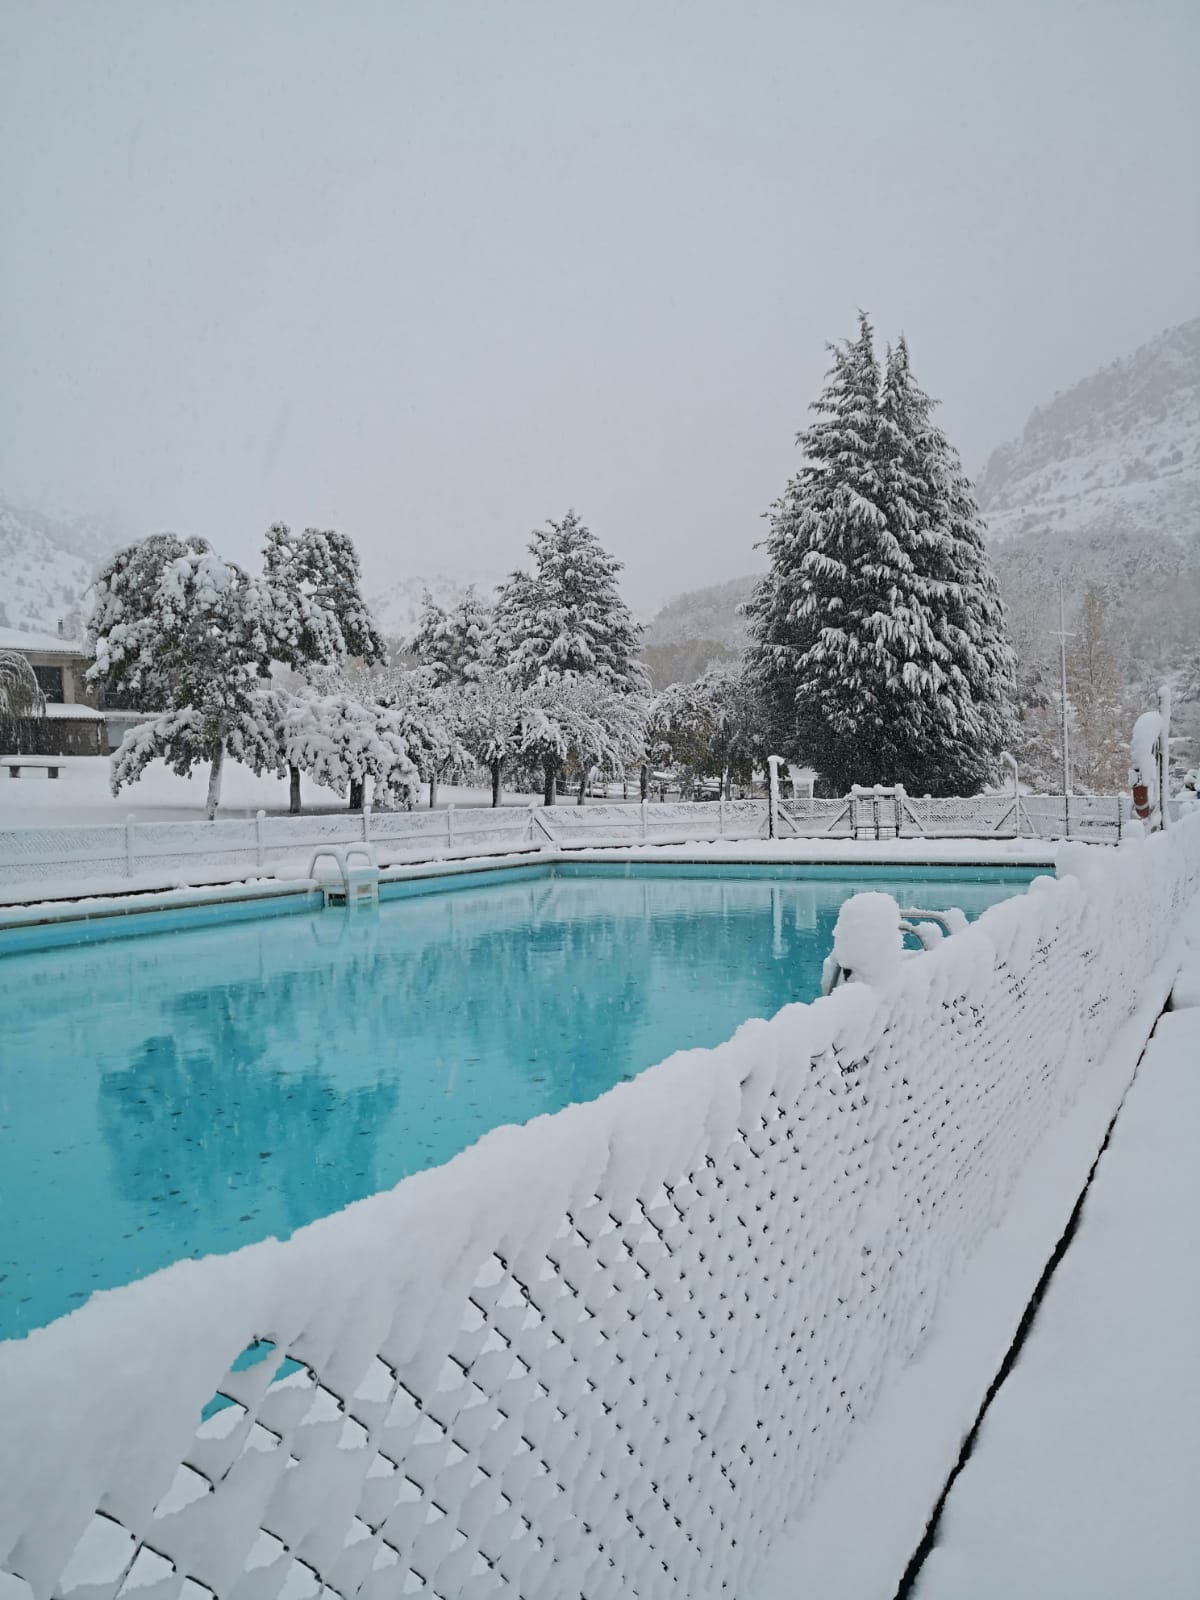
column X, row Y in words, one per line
column 73, row 713
column 44, row 644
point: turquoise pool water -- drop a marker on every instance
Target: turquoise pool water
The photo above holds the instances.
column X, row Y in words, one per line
column 186, row 1092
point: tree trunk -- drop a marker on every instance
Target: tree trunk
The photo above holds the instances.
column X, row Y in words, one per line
column 357, row 786
column 644, row 781
column 727, row 787
column 214, row 780
column 549, row 793
column 582, row 789
column 496, row 770
column 294, row 791
column 432, row 790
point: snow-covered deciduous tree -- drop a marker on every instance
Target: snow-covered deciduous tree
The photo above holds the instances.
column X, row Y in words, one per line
column 567, row 617
column 878, row 637
column 20, row 694
column 197, row 644
column 1101, row 710
column 713, row 728
column 490, row 724
column 175, row 629
column 341, row 741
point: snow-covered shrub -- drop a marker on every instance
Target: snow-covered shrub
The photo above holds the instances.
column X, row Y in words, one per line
column 341, row 741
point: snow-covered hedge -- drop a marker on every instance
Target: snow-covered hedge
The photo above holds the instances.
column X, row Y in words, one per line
column 614, row 1351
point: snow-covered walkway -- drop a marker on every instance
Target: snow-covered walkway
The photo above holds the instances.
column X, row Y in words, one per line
column 1085, row 1477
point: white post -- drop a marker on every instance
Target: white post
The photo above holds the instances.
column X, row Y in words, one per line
column 645, row 824
column 129, row 822
column 721, row 815
column 1164, row 756
column 532, row 808
column 366, row 821
column 773, row 765
column 260, row 817
column 450, row 825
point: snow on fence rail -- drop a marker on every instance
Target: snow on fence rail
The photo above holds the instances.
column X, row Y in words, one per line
column 154, row 853
column 612, row 1352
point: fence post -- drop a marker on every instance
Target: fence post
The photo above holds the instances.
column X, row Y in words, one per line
column 366, row 821
column 721, row 815
column 260, row 817
column 1066, row 816
column 450, row 825
column 531, row 821
column 773, row 765
column 644, row 822
column 129, row 824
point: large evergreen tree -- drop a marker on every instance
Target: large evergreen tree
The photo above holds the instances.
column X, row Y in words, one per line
column 965, row 715
column 877, row 634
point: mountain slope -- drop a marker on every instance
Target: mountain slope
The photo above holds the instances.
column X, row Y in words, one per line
column 710, row 613
column 47, row 564
column 1115, row 457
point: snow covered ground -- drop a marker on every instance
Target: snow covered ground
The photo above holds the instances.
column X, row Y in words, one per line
column 81, row 795
column 1085, row 1478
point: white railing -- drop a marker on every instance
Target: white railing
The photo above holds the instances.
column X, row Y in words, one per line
column 613, row 1352
column 156, row 854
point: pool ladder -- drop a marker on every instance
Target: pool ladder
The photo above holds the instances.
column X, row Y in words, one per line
column 928, row 928
column 355, row 885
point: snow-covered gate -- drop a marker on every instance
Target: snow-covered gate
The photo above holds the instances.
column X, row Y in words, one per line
column 611, row 1353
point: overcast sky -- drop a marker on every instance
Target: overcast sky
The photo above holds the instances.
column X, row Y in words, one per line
column 434, row 272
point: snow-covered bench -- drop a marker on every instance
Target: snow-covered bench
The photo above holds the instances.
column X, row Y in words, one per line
column 15, row 768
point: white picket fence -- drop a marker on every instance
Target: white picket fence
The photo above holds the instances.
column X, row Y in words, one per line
column 616, row 1351
column 64, row 860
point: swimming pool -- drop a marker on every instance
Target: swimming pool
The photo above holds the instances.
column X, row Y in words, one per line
column 192, row 1091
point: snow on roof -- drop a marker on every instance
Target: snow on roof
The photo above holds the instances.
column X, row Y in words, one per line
column 75, row 713
column 44, row 643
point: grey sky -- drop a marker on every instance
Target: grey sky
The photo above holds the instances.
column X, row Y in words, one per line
column 434, row 272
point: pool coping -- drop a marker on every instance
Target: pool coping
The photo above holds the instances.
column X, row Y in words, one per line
column 304, row 891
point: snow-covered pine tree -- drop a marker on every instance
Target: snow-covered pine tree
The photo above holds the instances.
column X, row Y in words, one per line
column 833, row 621
column 878, row 634
column 961, row 669
column 124, row 598
column 20, row 694
column 567, row 616
column 458, row 643
column 319, row 613
column 565, row 621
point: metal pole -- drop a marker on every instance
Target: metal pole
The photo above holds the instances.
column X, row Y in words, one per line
column 1062, row 659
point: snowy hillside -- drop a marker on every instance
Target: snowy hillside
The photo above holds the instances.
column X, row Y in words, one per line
column 46, row 564
column 1117, row 454
column 703, row 614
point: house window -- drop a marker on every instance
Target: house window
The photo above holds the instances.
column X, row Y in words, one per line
column 50, row 681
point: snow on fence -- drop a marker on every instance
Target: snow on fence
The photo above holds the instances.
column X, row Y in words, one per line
column 157, row 853
column 612, row 1352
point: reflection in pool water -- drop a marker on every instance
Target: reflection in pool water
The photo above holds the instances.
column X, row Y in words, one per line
column 184, row 1093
